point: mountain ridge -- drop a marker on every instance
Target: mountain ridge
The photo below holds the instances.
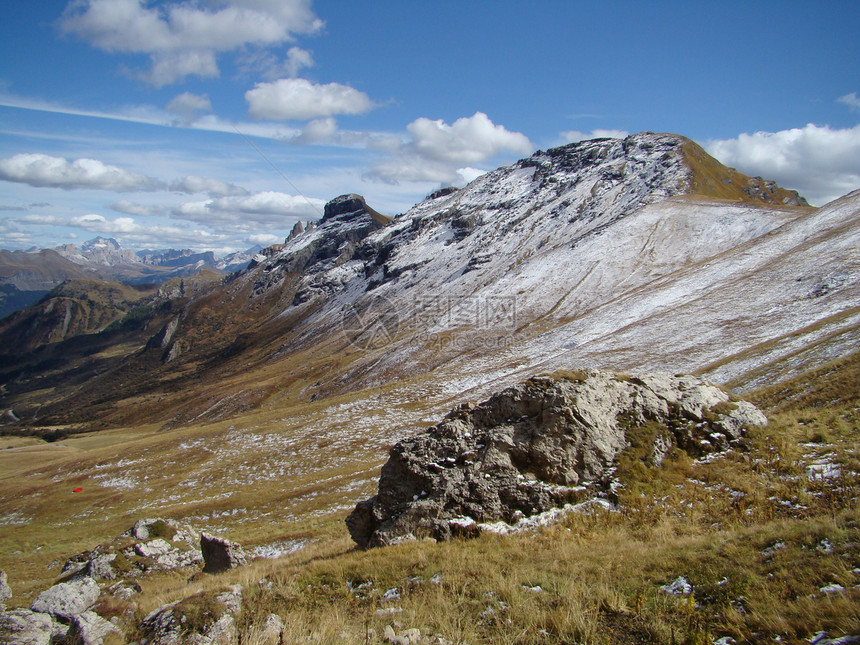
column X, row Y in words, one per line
column 580, row 242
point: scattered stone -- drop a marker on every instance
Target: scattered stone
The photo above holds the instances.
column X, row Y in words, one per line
column 206, row 618
column 5, row 590
column 271, row 632
column 89, row 628
column 539, row 446
column 220, row 554
column 153, row 548
column 25, row 627
column 678, row 587
column 125, row 590
column 67, row 599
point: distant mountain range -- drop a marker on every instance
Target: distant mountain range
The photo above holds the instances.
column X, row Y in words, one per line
column 27, row 276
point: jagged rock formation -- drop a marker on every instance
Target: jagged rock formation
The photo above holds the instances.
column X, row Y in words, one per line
column 537, row 446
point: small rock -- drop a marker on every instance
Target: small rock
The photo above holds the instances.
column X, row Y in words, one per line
column 679, row 586
column 5, row 590
column 272, row 629
column 153, row 548
column 67, row 599
column 220, row 555
column 25, row 627
column 89, row 628
column 223, row 631
column 100, row 567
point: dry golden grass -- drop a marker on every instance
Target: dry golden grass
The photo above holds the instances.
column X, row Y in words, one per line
column 759, row 533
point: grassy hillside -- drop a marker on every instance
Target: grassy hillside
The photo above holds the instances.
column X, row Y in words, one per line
column 767, row 537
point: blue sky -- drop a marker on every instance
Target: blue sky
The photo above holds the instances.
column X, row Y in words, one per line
column 216, row 124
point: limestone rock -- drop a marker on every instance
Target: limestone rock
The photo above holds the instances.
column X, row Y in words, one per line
column 5, row 590
column 89, row 628
column 220, row 554
column 270, row 634
column 153, row 548
column 67, row 599
column 537, row 446
column 206, row 618
column 25, row 627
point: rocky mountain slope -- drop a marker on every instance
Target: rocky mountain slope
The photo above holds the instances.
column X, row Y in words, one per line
column 624, row 254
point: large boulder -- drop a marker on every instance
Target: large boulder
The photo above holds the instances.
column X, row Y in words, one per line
column 67, row 599
column 537, row 446
column 25, row 627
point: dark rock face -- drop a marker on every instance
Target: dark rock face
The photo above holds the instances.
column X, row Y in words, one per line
column 220, row 555
column 535, row 447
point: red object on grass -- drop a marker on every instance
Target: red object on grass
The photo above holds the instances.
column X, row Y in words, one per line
column 78, row 490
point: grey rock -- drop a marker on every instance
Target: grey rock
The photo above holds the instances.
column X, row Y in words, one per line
column 169, row 625
column 270, row 634
column 536, row 446
column 153, row 548
column 89, row 628
column 5, row 590
column 220, row 554
column 25, row 627
column 67, row 599
column 99, row 567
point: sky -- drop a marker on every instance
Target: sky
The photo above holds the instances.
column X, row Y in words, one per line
column 218, row 124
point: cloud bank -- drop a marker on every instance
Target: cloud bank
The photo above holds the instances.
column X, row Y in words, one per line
column 298, row 98
column 183, row 38
column 820, row 162
column 56, row 172
column 436, row 150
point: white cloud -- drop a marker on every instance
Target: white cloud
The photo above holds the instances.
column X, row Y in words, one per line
column 188, row 105
column 183, row 38
column 271, row 67
column 246, row 213
column 139, row 210
column 214, row 187
column 437, row 149
column 298, row 98
column 820, row 162
column 263, row 239
column 573, row 136
column 55, row 172
column 41, row 220
column 851, row 100
column 173, row 67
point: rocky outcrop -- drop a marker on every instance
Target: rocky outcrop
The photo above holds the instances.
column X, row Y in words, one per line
column 220, row 555
column 107, row 574
column 150, row 545
column 537, row 446
column 206, row 618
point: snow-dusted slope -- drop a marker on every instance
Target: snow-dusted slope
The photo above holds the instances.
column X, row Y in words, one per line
column 594, row 253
